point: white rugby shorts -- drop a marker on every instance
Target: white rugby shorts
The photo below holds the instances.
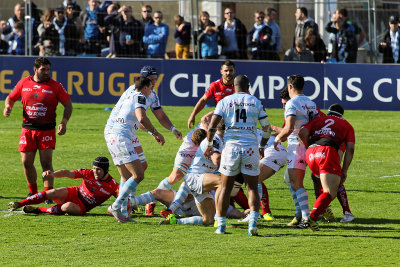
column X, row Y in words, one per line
column 237, row 159
column 121, row 149
column 296, row 156
column 273, row 158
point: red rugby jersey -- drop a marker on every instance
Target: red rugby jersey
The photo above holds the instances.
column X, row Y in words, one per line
column 39, row 101
column 219, row 90
column 336, row 128
column 93, row 192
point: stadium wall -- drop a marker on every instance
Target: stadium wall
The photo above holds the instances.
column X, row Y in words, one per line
column 183, row 82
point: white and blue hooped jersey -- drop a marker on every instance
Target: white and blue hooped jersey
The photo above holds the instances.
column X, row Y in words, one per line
column 241, row 111
column 304, row 109
column 152, row 101
column 202, row 165
column 122, row 120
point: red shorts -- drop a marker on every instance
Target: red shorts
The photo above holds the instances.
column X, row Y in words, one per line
column 323, row 159
column 74, row 198
column 31, row 140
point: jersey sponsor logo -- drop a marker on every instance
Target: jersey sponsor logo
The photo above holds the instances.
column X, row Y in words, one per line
column 36, row 110
column 185, row 155
column 228, row 89
column 46, row 91
column 210, row 167
column 235, row 153
column 318, row 155
column 47, row 138
column 120, row 120
column 245, row 104
column 26, row 89
column 135, row 141
column 104, row 191
column 36, row 86
column 142, row 100
column 240, row 128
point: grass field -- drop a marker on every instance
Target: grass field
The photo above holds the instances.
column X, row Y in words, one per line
column 373, row 187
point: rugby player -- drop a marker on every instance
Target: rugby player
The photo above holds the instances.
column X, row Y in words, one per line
column 120, row 133
column 240, row 111
column 322, row 137
column 97, row 186
column 299, row 110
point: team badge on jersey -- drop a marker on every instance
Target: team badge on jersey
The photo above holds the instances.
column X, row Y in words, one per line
column 142, row 100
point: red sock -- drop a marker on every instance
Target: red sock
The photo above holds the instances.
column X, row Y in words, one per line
column 320, row 205
column 264, row 203
column 342, row 197
column 35, row 199
column 32, row 188
column 47, row 188
column 241, row 199
column 52, row 210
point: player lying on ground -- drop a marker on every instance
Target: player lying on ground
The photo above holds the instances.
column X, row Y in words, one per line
column 97, row 186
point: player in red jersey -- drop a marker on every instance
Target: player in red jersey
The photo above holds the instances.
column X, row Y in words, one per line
column 97, row 186
column 217, row 90
column 39, row 97
column 322, row 137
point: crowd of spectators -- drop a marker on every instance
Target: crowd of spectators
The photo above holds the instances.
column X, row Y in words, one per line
column 110, row 30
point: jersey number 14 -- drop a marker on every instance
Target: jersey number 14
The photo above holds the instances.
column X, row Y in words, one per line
column 241, row 115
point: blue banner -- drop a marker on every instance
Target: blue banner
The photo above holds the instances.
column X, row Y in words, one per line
column 183, row 82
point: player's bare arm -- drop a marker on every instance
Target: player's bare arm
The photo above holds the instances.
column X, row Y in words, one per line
column 212, row 129
column 8, row 107
column 144, row 120
column 265, row 136
column 286, row 131
column 348, row 157
column 62, row 127
column 303, row 135
column 199, row 107
column 59, row 174
column 166, row 122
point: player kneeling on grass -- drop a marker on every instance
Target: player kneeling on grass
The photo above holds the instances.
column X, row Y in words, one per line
column 201, row 179
column 322, row 137
column 97, row 186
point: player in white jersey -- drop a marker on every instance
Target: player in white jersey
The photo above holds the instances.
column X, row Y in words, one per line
column 299, row 110
column 120, row 133
column 240, row 111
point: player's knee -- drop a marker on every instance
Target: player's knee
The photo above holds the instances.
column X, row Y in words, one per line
column 156, row 193
column 70, row 208
column 144, row 165
column 28, row 164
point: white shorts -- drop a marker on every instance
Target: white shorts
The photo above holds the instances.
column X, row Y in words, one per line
column 188, row 209
column 195, row 182
column 136, row 142
column 121, row 149
column 237, row 159
column 296, row 156
column 273, row 158
column 185, row 155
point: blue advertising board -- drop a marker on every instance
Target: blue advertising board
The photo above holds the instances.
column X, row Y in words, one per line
column 183, row 82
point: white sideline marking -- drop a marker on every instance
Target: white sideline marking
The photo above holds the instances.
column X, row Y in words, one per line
column 11, row 213
column 396, row 175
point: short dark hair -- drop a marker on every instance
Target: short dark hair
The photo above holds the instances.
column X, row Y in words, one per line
column 297, row 81
column 304, row 11
column 228, row 63
column 343, row 12
column 41, row 61
column 242, row 82
column 270, row 10
column 284, row 94
column 141, row 82
column 336, row 109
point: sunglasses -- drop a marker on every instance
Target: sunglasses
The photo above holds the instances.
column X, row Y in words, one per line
column 157, row 17
column 146, row 11
column 260, row 17
column 227, row 13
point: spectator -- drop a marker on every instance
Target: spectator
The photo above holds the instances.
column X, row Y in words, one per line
column 316, row 45
column 67, row 32
column 270, row 19
column 182, row 35
column 359, row 32
column 4, row 38
column 73, row 6
column 259, row 39
column 343, row 44
column 303, row 23
column 49, row 40
column 110, row 50
column 390, row 42
column 233, row 36
column 92, row 20
column 127, row 32
column 47, row 16
column 299, row 53
column 156, row 37
column 207, row 37
column 147, row 10
column 17, row 40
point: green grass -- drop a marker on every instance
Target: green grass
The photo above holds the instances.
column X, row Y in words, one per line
column 97, row 239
